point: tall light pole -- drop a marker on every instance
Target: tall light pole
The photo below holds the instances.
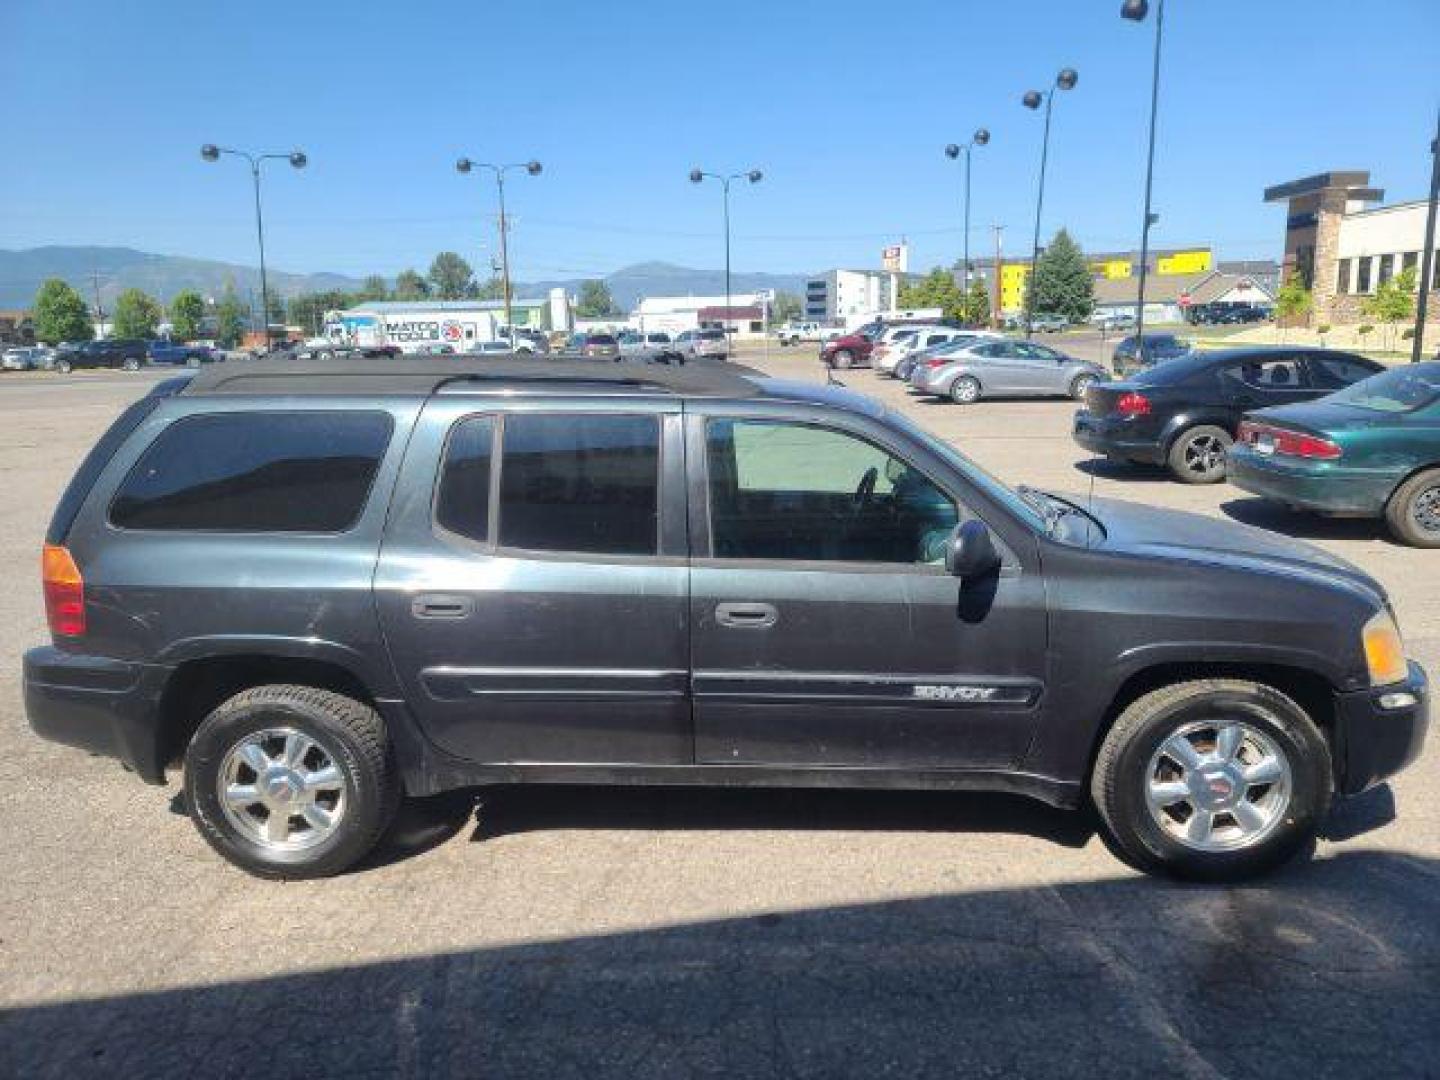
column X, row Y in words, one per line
column 699, row 176
column 1427, row 260
column 953, row 151
column 298, row 160
column 1136, row 10
column 534, row 168
column 1065, row 80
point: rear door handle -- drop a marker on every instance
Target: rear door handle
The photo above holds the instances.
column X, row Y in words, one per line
column 758, row 616
column 441, row 606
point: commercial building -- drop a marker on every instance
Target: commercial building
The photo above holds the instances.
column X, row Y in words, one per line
column 1343, row 246
column 1167, row 296
column 840, row 296
column 744, row 314
column 1170, row 266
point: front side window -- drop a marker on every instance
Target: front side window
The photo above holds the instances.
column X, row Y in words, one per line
column 796, row 492
column 1267, row 374
column 580, row 482
column 255, row 472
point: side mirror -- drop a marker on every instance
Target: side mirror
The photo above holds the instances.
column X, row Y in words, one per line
column 970, row 550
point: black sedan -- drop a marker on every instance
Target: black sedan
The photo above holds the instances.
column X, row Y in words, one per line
column 1184, row 414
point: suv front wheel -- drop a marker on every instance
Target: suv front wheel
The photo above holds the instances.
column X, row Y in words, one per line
column 291, row 781
column 1212, row 780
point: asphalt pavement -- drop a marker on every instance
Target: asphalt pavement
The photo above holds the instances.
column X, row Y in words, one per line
column 566, row 932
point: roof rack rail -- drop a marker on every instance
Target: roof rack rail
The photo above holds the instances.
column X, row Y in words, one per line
column 424, row 375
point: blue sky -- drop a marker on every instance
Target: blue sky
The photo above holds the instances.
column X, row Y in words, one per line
column 845, row 105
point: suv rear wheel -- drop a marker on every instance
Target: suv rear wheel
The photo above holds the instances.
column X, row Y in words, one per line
column 1198, row 456
column 1213, row 780
column 291, row 781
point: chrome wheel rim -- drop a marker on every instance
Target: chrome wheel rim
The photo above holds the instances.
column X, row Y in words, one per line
column 966, row 390
column 1218, row 785
column 1426, row 509
column 1204, row 454
column 1081, row 386
column 282, row 790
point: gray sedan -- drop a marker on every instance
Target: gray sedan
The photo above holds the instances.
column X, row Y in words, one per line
column 1005, row 368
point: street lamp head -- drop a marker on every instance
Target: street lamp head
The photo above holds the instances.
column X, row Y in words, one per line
column 534, row 168
column 298, row 159
column 754, row 176
column 696, row 176
column 210, row 152
column 463, row 165
column 952, row 151
column 1067, row 78
column 1032, row 99
column 1134, row 10
column 981, row 136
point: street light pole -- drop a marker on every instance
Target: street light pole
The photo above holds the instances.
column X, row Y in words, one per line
column 1427, row 260
column 980, row 138
column 534, row 168
column 1065, row 80
column 1135, row 10
column 298, row 160
column 753, row 176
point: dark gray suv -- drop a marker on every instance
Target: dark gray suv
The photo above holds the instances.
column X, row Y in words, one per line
column 321, row 585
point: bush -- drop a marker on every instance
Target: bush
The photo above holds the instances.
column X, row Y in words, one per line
column 1365, row 328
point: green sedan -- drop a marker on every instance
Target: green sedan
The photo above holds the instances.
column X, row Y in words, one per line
column 1370, row 450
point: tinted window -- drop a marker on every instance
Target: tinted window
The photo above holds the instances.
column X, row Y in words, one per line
column 96, row 460
column 463, row 502
column 255, row 472
column 784, row 491
column 600, row 339
column 578, row 482
column 1278, row 374
column 1331, row 371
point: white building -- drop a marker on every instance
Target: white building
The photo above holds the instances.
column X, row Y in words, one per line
column 674, row 314
column 842, row 296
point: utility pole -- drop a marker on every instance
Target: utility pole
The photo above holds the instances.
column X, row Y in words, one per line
column 95, row 281
column 999, row 232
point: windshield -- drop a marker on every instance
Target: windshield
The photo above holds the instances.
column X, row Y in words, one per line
column 1400, row 390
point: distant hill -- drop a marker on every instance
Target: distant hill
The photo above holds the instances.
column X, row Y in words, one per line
column 21, row 273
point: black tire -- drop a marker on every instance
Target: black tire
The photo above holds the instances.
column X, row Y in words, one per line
column 843, row 358
column 192, row 361
column 1122, row 774
column 130, row 364
column 1079, row 385
column 63, row 367
column 965, row 390
column 1413, row 512
column 1197, row 456
column 350, row 733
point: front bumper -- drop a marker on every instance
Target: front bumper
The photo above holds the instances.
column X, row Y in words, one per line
column 106, row 706
column 1311, row 485
column 1115, row 438
column 1380, row 731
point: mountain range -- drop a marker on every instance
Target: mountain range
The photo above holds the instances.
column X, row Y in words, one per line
column 111, row 270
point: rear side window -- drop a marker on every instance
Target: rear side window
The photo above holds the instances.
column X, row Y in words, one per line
column 1335, row 371
column 463, row 503
column 583, row 483
column 255, row 472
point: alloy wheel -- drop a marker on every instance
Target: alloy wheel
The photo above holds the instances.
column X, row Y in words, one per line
column 281, row 789
column 1426, row 509
column 1218, row 785
column 1204, row 454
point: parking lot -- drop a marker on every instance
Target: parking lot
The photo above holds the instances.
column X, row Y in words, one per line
column 563, row 932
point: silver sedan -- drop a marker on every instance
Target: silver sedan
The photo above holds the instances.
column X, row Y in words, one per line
column 1005, row 368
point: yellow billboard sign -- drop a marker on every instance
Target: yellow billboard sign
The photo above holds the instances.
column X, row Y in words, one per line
column 1184, row 262
column 1112, row 269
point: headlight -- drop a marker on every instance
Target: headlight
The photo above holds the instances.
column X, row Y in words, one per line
column 1384, row 651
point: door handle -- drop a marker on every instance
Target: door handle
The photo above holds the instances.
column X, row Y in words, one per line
column 441, row 606
column 758, row 616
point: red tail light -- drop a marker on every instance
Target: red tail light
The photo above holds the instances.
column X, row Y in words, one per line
column 1291, row 443
column 1133, row 404
column 64, row 592
column 936, row 361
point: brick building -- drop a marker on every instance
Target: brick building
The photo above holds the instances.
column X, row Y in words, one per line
column 1343, row 245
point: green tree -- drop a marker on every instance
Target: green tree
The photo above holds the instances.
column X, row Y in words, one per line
column 451, row 277
column 308, row 310
column 410, row 285
column 373, row 288
column 1062, row 283
column 493, row 289
column 61, row 314
column 937, row 289
column 976, row 305
column 1293, row 302
column 137, row 315
column 786, row 307
column 1392, row 302
column 229, row 318
column 595, row 301
column 187, row 308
